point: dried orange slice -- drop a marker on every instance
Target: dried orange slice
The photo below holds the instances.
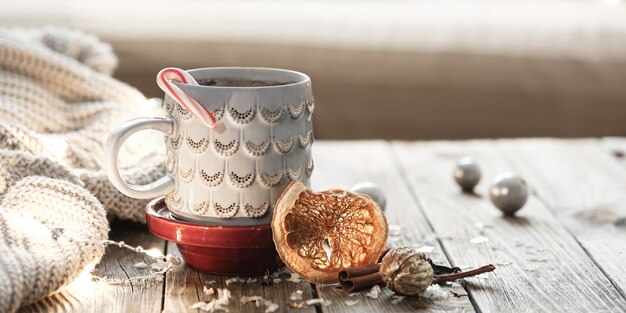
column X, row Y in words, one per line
column 317, row 234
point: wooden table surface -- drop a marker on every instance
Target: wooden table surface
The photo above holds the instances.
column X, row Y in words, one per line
column 565, row 252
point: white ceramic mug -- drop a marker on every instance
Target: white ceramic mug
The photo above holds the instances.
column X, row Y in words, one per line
column 231, row 174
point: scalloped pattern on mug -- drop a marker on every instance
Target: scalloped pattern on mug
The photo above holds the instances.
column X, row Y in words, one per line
column 185, row 175
column 177, row 203
column 241, row 117
column 251, row 211
column 295, row 174
column 176, row 142
column 218, row 114
column 271, row 116
column 310, row 106
column 182, row 112
column 199, row 209
column 296, row 111
column 211, row 180
column 283, row 146
column 270, row 180
column 197, row 146
column 306, row 139
column 257, row 149
column 221, row 181
column 242, row 181
column 225, row 211
column 226, row 149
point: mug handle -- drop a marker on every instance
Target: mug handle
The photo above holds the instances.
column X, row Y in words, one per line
column 112, row 147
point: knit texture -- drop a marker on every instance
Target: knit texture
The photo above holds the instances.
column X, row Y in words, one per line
column 58, row 103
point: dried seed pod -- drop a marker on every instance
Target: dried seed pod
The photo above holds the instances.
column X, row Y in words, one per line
column 406, row 271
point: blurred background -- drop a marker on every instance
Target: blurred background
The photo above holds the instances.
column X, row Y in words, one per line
column 401, row 69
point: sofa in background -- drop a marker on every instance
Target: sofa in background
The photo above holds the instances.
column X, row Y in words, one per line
column 387, row 69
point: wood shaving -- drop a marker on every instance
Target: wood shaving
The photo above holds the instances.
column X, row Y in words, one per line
column 204, row 306
column 220, row 303
column 141, row 265
column 231, row 280
column 251, row 280
column 374, row 292
column 209, row 282
column 296, row 295
column 435, row 292
column 294, row 278
column 397, row 299
column 426, row 249
column 223, row 295
column 277, row 280
column 351, row 302
column 323, row 302
column 296, row 305
column 479, row 240
column 537, row 259
column 256, row 299
column 270, row 306
column 207, row 290
column 354, row 294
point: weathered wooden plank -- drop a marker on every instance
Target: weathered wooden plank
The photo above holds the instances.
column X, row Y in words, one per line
column 585, row 187
column 185, row 286
column 542, row 268
column 85, row 295
column 343, row 164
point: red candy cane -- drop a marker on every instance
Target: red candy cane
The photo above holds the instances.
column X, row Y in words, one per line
column 164, row 80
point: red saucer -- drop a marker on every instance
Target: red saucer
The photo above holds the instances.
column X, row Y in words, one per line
column 234, row 250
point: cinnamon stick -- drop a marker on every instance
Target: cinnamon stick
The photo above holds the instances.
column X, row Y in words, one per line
column 361, row 282
column 358, row 271
column 455, row 276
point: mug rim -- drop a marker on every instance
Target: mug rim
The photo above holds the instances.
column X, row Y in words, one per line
column 299, row 78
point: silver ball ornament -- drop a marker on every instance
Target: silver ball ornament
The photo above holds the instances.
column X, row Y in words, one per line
column 467, row 174
column 508, row 193
column 373, row 191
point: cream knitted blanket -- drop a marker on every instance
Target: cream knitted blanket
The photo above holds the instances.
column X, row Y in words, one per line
column 58, row 103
